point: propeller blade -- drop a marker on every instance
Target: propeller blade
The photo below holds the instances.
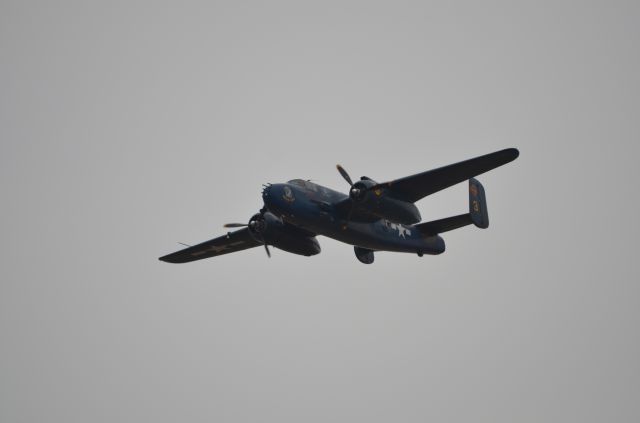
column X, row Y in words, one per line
column 266, row 248
column 235, row 225
column 344, row 174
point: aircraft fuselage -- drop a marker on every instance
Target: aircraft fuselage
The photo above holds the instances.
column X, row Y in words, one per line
column 312, row 207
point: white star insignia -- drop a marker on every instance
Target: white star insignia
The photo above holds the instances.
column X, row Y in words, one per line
column 402, row 231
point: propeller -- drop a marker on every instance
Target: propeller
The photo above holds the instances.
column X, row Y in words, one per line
column 354, row 192
column 357, row 190
column 256, row 224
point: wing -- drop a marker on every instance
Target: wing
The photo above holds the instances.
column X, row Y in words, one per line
column 230, row 243
column 413, row 188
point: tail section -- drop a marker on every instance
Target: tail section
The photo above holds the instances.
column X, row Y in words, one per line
column 477, row 215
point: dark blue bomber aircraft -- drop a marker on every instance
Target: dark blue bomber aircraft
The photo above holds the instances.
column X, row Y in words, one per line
column 372, row 217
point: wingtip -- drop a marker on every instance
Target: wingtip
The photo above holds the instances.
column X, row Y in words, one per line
column 166, row 259
column 169, row 260
column 507, row 155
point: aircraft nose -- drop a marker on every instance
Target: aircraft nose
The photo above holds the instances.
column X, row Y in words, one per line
column 270, row 196
column 277, row 198
column 266, row 190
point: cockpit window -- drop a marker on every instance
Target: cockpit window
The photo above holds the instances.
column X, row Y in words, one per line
column 311, row 186
column 307, row 185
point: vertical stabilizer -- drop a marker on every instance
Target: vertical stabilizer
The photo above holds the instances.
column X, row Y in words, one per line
column 478, row 204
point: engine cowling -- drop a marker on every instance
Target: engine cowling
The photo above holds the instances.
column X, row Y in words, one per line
column 270, row 230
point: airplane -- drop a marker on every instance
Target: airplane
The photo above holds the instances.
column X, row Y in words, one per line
column 372, row 216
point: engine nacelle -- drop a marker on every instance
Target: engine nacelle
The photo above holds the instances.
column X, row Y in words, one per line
column 377, row 202
column 269, row 229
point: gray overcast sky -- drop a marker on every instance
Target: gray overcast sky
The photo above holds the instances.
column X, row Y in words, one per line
column 128, row 126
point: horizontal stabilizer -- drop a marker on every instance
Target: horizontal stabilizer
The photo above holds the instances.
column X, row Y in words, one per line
column 444, row 225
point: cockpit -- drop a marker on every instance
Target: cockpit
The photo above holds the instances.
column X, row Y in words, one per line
column 298, row 182
column 307, row 185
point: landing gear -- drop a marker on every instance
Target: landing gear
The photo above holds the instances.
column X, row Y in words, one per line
column 364, row 255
